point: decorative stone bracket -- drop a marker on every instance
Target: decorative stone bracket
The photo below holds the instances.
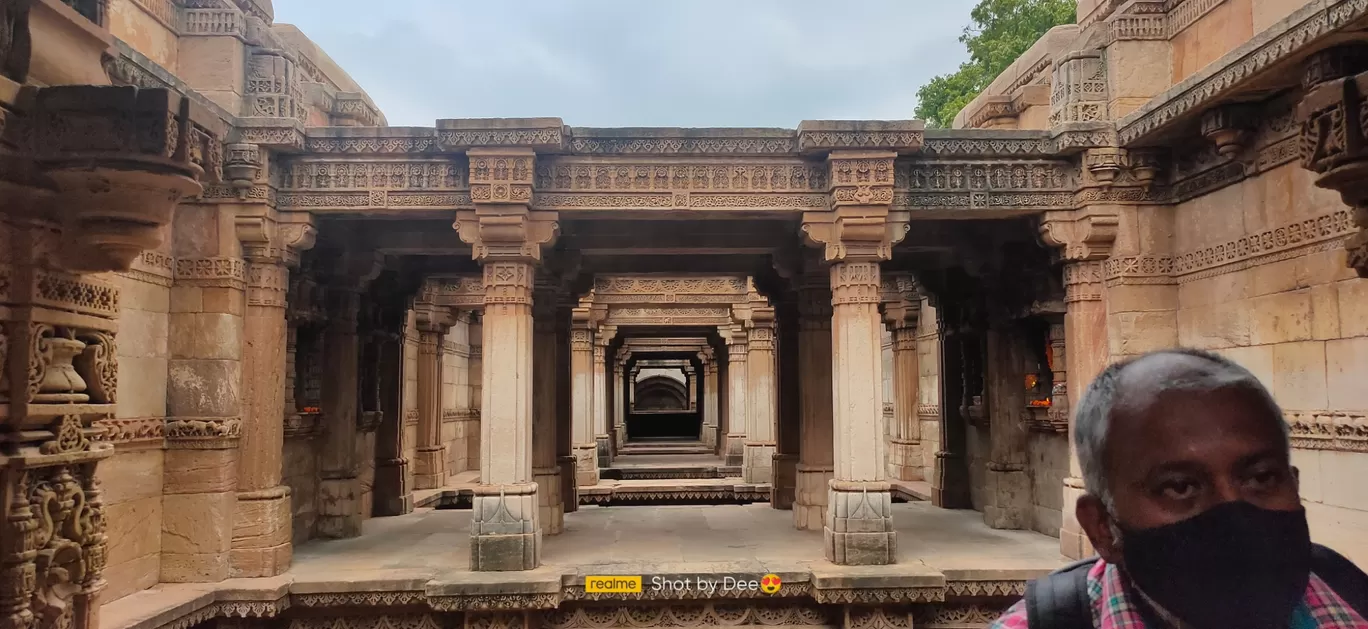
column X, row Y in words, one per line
column 1334, row 144
column 111, row 162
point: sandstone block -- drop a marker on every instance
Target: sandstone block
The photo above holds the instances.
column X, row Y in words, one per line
column 203, row 388
column 134, row 529
column 194, row 524
column 131, row 476
column 1299, row 375
column 1346, row 362
column 130, row 576
column 261, row 522
column 200, row 471
column 194, row 568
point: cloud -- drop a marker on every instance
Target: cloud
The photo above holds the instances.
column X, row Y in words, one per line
column 622, row 63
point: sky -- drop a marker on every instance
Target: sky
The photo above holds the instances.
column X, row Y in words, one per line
column 638, row 63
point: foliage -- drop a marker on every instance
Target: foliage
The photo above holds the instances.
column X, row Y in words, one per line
column 1001, row 31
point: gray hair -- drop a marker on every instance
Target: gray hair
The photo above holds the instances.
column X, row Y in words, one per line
column 1092, row 418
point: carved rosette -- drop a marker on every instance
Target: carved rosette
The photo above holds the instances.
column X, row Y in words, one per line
column 1334, row 137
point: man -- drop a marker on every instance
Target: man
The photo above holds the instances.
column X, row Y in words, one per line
column 1193, row 506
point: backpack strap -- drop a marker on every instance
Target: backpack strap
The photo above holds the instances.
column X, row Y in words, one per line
column 1059, row 600
column 1345, row 578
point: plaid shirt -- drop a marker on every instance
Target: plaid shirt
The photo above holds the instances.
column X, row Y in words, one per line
column 1113, row 606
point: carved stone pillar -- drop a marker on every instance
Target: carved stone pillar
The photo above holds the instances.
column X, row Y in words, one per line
column 545, row 469
column 474, row 427
column 1085, row 243
column 788, row 440
column 905, row 448
column 582, row 398
column 565, row 439
column 393, row 489
column 338, row 486
column 506, row 528
column 618, row 388
column 507, row 238
column 856, row 235
column 262, row 515
column 737, row 409
column 758, row 457
column 429, row 465
column 815, row 456
column 859, row 526
column 1008, row 495
column 602, row 414
column 1335, row 135
column 692, row 379
column 710, row 397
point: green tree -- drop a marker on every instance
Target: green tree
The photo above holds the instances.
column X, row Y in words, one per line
column 1000, row 32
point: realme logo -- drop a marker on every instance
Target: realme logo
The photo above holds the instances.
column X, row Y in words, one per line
column 616, row 585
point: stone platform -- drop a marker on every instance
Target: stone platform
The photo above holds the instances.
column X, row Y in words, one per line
column 413, row 571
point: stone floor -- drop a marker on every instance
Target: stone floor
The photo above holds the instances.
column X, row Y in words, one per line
column 684, row 539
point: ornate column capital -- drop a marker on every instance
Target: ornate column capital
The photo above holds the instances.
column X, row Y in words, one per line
column 858, row 226
column 267, row 237
column 901, row 301
column 1083, row 234
column 433, row 318
column 1335, row 135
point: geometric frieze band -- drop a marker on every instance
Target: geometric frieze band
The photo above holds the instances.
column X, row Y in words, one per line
column 647, row 289
column 1323, row 232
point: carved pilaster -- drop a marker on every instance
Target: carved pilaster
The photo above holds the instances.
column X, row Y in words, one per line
column 902, row 309
column 761, row 397
column 1085, row 240
column 815, row 462
column 738, row 409
column 429, row 466
column 581, row 397
column 1334, row 136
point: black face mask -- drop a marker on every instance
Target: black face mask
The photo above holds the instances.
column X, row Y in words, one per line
column 1233, row 565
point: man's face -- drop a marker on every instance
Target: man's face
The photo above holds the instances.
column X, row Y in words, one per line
column 1174, row 455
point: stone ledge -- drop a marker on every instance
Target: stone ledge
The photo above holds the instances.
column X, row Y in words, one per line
column 169, row 606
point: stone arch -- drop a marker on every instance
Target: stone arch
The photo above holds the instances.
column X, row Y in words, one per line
column 661, row 393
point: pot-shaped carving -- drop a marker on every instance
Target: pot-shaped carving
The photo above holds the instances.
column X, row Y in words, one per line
column 112, row 216
column 60, row 382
